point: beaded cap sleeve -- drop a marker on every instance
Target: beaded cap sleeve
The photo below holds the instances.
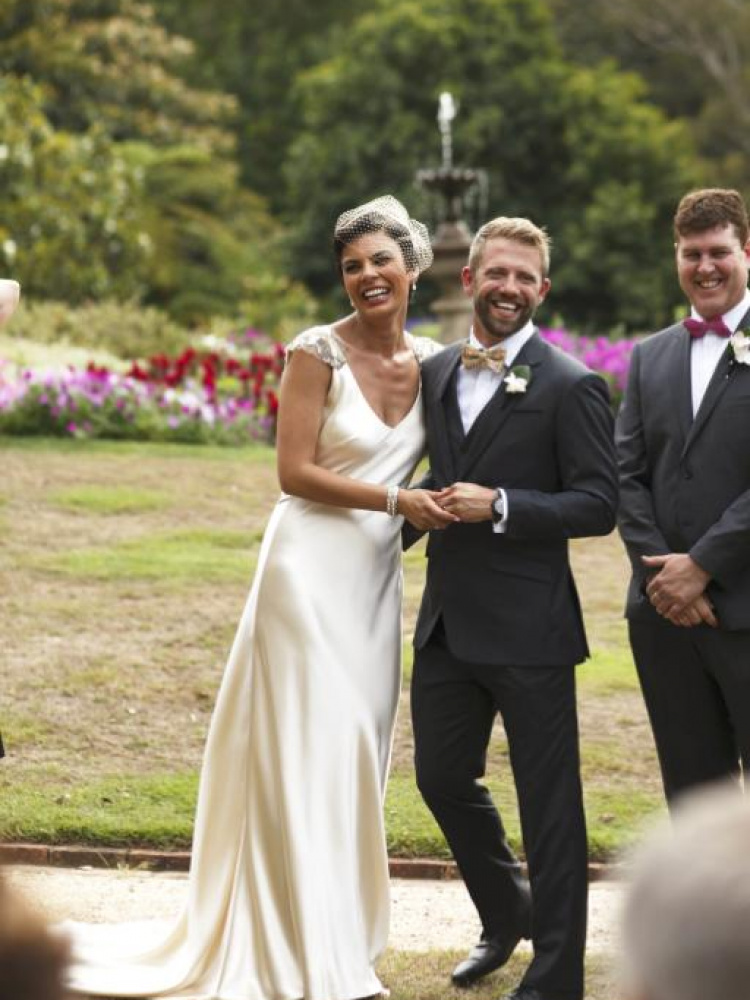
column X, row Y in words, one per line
column 425, row 347
column 321, row 342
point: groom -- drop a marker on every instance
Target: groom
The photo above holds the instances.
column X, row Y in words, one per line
column 524, row 434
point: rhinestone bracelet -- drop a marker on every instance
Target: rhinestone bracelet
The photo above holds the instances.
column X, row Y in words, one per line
column 391, row 501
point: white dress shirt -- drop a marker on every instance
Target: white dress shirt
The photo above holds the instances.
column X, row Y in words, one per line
column 706, row 351
column 476, row 386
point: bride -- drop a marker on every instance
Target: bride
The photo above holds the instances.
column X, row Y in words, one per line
column 288, row 891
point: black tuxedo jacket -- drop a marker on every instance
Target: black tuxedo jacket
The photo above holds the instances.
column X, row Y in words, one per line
column 510, row 599
column 685, row 483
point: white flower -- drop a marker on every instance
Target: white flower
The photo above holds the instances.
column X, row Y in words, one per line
column 740, row 343
column 515, row 383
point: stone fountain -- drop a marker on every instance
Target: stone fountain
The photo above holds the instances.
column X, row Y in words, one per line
column 9, row 294
column 451, row 185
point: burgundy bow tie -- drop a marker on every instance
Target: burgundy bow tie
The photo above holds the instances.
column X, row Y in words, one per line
column 698, row 328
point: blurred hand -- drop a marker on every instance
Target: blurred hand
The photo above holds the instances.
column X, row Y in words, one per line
column 420, row 508
column 677, row 584
column 471, row 503
column 700, row 612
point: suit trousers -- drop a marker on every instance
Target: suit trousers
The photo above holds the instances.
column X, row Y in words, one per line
column 454, row 704
column 696, row 685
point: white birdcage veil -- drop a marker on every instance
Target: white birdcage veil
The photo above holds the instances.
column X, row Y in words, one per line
column 387, row 213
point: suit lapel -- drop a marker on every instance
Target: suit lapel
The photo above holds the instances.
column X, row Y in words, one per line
column 714, row 390
column 440, row 438
column 681, row 388
column 489, row 422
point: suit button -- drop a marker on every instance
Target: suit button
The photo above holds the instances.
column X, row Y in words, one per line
column 687, row 474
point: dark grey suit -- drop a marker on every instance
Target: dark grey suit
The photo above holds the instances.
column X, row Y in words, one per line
column 685, row 487
column 500, row 629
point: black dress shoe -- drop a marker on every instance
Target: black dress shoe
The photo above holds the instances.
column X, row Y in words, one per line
column 483, row 959
column 529, row 993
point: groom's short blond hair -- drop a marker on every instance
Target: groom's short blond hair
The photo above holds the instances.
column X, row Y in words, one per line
column 510, row 228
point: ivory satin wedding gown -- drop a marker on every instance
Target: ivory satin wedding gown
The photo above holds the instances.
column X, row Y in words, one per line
column 288, row 892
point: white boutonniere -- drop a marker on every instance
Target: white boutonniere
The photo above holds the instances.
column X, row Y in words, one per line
column 740, row 344
column 518, row 379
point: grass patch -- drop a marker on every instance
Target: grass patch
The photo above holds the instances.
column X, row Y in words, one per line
column 28, row 727
column 118, row 810
column 110, row 499
column 182, row 556
column 253, row 453
column 614, row 817
column 412, row 975
column 411, row 830
column 113, row 650
column 609, row 671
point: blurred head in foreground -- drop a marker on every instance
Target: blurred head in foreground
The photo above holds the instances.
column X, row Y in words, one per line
column 32, row 961
column 686, row 924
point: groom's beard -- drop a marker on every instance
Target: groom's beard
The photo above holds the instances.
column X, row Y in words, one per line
column 498, row 326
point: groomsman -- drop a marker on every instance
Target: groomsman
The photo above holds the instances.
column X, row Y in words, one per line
column 682, row 438
column 520, row 441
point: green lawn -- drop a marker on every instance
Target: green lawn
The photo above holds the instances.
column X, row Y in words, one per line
column 124, row 568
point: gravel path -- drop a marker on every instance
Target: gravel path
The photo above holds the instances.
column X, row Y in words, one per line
column 426, row 914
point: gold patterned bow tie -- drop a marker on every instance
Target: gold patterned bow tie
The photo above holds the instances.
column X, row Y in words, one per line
column 483, row 357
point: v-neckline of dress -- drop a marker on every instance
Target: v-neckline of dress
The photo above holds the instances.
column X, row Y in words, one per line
column 391, row 427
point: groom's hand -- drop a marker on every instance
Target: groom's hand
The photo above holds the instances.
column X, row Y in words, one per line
column 470, row 502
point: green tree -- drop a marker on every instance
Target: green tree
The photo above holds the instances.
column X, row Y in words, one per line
column 707, row 44
column 592, row 32
column 133, row 187
column 575, row 148
column 692, row 56
column 70, row 226
column 216, row 249
column 109, row 63
column 262, row 47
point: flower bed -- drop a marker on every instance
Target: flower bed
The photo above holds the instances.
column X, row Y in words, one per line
column 610, row 358
column 222, row 391
column 226, row 394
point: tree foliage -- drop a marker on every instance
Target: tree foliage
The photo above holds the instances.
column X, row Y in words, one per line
column 109, row 63
column 263, row 46
column 70, row 226
column 216, row 249
column 119, row 178
column 575, row 148
column 693, row 58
